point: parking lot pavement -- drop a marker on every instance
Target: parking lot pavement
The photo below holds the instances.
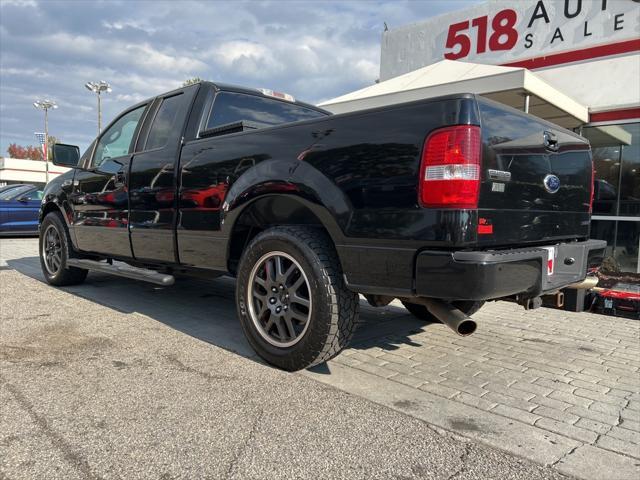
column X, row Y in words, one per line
column 115, row 377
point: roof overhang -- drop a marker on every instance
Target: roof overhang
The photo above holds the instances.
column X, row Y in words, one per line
column 507, row 85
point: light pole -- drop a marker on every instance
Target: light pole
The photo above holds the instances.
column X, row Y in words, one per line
column 98, row 88
column 46, row 105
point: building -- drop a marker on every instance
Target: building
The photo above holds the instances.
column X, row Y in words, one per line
column 572, row 62
column 14, row 170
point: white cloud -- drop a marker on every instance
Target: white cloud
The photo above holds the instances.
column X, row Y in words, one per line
column 122, row 24
column 122, row 53
column 246, row 58
column 130, row 98
column 19, row 3
column 313, row 51
column 26, row 72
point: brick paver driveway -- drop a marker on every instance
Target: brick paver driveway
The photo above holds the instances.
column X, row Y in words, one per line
column 559, row 388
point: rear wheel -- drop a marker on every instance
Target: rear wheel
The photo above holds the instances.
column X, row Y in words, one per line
column 468, row 307
column 291, row 299
column 55, row 249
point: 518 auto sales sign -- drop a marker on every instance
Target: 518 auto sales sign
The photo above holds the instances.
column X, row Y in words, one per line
column 531, row 33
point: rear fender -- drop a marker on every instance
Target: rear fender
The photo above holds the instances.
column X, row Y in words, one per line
column 296, row 180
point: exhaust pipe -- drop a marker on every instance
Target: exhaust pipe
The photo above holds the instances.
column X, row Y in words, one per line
column 450, row 316
column 587, row 284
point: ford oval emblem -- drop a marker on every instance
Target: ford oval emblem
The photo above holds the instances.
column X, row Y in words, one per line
column 551, row 183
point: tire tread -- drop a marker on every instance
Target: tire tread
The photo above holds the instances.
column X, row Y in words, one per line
column 343, row 305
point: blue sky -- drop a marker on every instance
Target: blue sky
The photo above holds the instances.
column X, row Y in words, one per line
column 314, row 50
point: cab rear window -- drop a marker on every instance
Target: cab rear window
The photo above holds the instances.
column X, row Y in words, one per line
column 230, row 107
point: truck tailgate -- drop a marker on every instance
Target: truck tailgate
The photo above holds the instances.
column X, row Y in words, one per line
column 536, row 179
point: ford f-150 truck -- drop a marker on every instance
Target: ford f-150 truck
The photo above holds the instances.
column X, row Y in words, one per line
column 443, row 203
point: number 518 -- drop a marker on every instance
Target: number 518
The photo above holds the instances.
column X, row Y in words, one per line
column 503, row 37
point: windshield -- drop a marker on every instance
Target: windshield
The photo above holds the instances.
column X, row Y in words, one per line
column 15, row 192
column 7, row 187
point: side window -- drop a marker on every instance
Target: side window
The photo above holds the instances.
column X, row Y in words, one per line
column 231, row 107
column 35, row 195
column 116, row 141
column 163, row 123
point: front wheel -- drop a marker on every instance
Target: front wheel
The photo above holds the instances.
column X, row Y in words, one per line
column 292, row 302
column 55, row 249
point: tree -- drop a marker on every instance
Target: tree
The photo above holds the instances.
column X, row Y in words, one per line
column 29, row 152
column 191, row 81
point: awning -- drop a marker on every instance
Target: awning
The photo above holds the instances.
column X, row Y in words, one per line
column 508, row 85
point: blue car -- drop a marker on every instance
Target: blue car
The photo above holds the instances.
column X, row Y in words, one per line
column 19, row 207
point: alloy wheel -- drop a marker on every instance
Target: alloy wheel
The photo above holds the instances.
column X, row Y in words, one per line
column 52, row 250
column 279, row 299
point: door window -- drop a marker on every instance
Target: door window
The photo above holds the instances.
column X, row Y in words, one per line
column 163, row 123
column 34, row 195
column 117, row 140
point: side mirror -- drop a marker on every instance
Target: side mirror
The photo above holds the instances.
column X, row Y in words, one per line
column 65, row 155
column 23, row 199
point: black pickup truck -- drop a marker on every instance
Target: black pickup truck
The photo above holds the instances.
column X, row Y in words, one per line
column 443, row 203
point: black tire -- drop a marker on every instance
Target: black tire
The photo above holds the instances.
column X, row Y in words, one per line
column 468, row 307
column 333, row 309
column 58, row 274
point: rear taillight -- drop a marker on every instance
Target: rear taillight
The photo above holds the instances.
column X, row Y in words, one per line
column 450, row 169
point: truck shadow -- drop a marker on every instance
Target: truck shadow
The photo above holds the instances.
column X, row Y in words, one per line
column 205, row 309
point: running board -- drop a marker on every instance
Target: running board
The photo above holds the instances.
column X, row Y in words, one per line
column 123, row 271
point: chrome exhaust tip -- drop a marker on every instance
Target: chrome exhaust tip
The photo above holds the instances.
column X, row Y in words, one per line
column 451, row 316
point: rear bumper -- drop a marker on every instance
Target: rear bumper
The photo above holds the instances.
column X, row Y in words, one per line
column 485, row 275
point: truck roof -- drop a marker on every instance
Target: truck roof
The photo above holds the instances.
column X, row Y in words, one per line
column 249, row 91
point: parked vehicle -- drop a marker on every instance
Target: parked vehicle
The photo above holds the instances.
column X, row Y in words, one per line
column 443, row 203
column 4, row 188
column 13, row 186
column 19, row 210
column 621, row 300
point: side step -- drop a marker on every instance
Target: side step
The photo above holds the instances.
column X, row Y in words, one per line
column 124, row 271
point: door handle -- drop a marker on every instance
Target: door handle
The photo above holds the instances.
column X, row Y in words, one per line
column 119, row 179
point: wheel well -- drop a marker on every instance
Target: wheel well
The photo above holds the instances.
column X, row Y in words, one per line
column 48, row 208
column 264, row 213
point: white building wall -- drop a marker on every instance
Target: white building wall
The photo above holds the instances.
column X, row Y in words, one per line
column 602, row 84
column 541, row 30
column 14, row 170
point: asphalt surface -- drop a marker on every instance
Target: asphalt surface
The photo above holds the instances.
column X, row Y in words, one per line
column 89, row 391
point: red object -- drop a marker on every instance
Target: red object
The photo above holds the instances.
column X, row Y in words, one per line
column 456, row 37
column 485, row 229
column 20, row 152
column 622, row 300
column 620, row 294
column 503, row 35
column 622, row 114
column 626, row 46
column 450, row 168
